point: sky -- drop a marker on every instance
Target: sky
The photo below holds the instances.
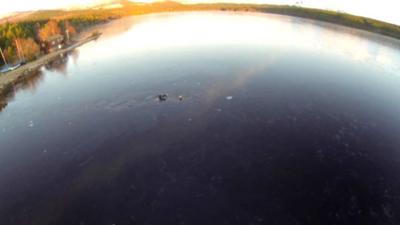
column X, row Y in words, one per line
column 386, row 10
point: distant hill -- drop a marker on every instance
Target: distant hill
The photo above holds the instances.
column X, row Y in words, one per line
column 15, row 17
column 115, row 8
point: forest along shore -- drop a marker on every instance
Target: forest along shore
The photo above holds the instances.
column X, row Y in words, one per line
column 11, row 78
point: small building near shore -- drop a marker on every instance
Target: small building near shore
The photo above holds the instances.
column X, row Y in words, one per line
column 53, row 43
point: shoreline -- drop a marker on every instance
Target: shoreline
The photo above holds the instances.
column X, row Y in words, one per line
column 9, row 79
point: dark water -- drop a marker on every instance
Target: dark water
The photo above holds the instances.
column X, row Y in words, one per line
column 283, row 121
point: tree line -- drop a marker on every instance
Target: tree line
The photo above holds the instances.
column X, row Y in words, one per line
column 24, row 39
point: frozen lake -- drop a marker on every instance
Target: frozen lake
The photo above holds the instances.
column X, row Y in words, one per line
column 269, row 120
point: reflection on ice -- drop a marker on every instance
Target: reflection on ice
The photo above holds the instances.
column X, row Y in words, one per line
column 148, row 34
